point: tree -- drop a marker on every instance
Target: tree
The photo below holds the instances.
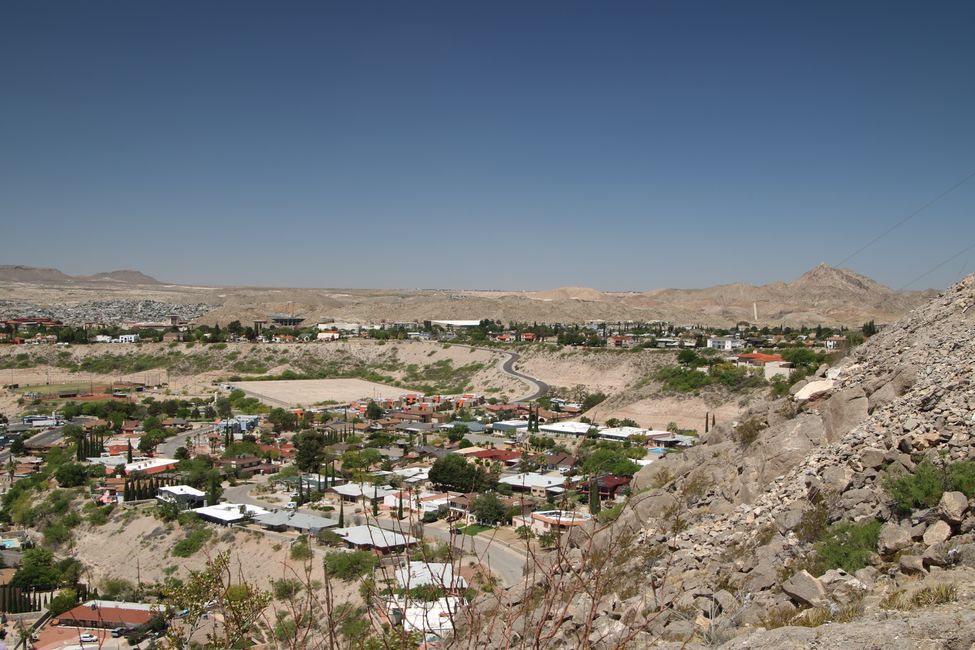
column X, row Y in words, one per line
column 309, row 450
column 488, row 509
column 373, row 411
column 71, row 475
column 594, row 502
column 128, row 451
column 214, row 487
column 456, row 473
column 37, row 570
column 609, row 461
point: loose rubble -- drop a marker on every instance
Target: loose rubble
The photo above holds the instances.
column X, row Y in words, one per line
column 741, row 553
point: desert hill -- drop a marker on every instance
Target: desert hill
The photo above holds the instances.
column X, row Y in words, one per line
column 824, row 295
column 46, row 276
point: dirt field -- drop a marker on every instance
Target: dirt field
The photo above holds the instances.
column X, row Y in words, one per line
column 305, row 392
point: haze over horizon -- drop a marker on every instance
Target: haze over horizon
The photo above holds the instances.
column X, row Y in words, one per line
column 487, row 145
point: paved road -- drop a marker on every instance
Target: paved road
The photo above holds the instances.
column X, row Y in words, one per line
column 168, row 448
column 538, row 387
column 507, row 366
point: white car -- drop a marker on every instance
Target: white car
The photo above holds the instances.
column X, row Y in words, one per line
column 88, row 638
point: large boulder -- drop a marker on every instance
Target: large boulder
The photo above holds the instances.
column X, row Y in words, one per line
column 844, row 411
column 952, row 507
column 804, row 588
column 893, row 538
column 814, row 389
column 842, row 588
column 936, row 533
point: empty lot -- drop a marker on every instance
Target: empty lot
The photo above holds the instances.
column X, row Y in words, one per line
column 306, row 392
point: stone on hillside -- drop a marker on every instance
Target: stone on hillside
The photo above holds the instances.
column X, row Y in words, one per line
column 953, row 506
column 814, row 389
column 867, row 575
column 936, row 533
column 844, row 410
column 965, row 555
column 911, row 564
column 843, row 589
column 893, row 538
column 872, row 458
column 937, row 555
column 806, row 589
column 894, row 388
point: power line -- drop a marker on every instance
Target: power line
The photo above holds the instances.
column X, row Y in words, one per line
column 906, row 219
column 929, row 272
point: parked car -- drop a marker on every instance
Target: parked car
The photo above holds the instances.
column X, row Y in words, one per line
column 118, row 632
column 87, row 637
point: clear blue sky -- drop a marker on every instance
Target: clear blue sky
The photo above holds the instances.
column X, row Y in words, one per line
column 486, row 144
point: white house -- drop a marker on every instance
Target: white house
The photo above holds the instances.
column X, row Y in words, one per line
column 577, row 429
column 128, row 338
column 726, row 343
column 539, row 485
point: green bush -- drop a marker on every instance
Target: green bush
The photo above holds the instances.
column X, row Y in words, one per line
column 352, row 565
column 924, row 487
column 846, row 545
column 682, row 380
column 192, row 543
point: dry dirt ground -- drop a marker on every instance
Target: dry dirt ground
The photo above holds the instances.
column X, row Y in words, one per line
column 313, row 391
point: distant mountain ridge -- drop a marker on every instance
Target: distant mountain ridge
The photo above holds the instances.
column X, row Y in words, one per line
column 36, row 275
column 822, row 296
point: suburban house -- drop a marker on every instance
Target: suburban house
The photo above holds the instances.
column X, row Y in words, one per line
column 150, row 466
column 374, row 538
column 772, row 365
column 577, row 429
column 551, row 520
column 559, row 462
column 726, row 343
column 429, row 574
column 353, row 492
column 539, row 485
column 227, row 514
column 621, row 341
column 837, row 343
column 608, row 486
column 107, row 614
column 282, row 520
column 184, row 496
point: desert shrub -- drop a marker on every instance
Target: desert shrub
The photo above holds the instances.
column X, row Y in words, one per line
column 924, row 597
column 193, row 542
column 682, row 380
column 924, row 487
column 846, row 545
column 961, row 477
column 748, row 431
column 352, row 565
column 286, row 588
column 301, row 551
column 813, row 524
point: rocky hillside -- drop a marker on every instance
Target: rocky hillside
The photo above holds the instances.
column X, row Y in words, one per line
column 848, row 503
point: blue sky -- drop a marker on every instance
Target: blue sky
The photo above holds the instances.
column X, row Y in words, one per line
column 627, row 145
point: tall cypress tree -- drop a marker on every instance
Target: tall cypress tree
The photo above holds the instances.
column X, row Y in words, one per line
column 594, row 503
column 341, row 512
column 128, row 453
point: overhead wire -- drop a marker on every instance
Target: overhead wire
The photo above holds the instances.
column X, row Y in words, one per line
column 907, row 218
column 938, row 266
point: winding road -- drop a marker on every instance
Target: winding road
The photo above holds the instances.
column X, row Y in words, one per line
column 507, row 366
